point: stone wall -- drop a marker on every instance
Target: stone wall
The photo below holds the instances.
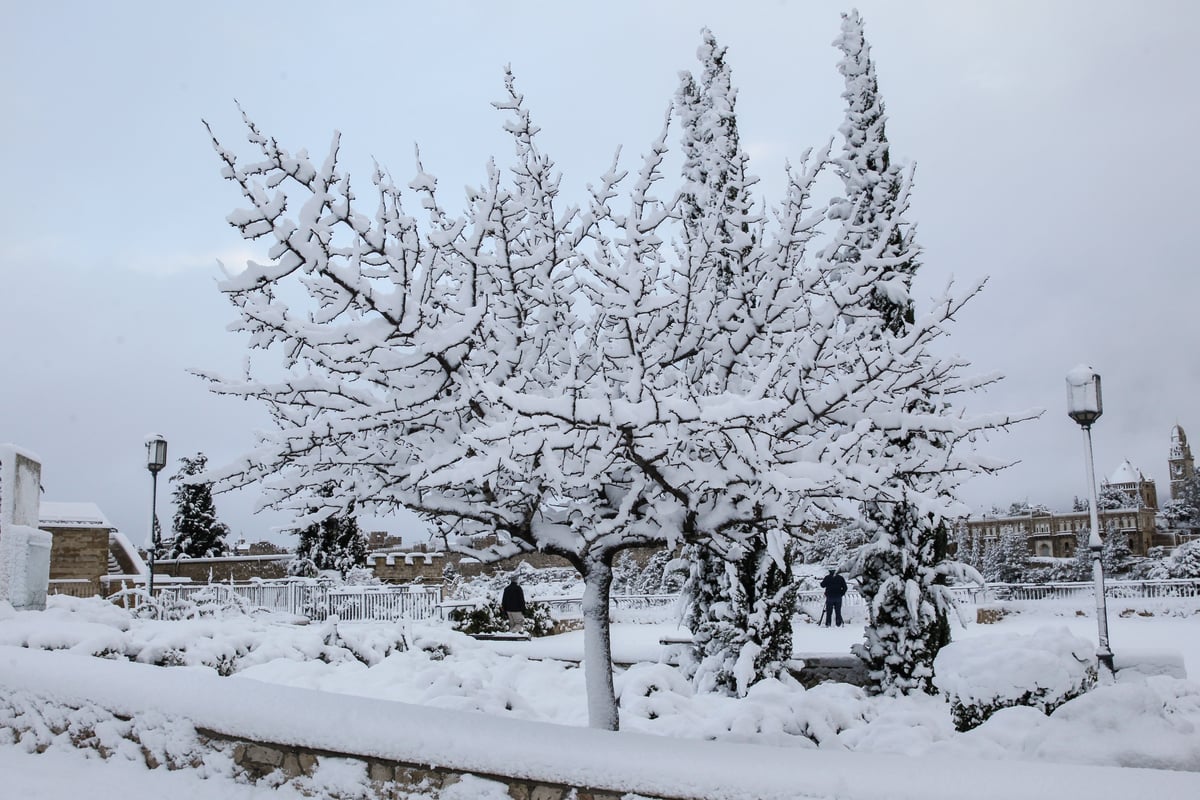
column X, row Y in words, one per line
column 79, row 554
column 472, row 568
column 407, row 567
column 237, row 568
column 392, row 779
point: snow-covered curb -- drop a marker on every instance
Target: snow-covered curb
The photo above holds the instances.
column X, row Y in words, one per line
column 624, row 761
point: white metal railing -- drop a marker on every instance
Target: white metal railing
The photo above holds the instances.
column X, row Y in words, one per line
column 1123, row 590
column 316, row 601
column 974, row 595
column 72, row 587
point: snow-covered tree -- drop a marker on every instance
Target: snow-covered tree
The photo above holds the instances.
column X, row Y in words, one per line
column 740, row 602
column 968, row 546
column 196, row 533
column 332, row 543
column 903, row 572
column 541, row 376
column 1183, row 510
column 1180, row 513
column 720, row 226
column 989, row 560
column 740, row 608
column 1110, row 497
column 663, row 574
column 1012, row 556
column 1004, row 559
column 1116, row 554
column 832, row 544
column 1184, row 561
column 626, row 572
column 877, row 191
column 1083, row 555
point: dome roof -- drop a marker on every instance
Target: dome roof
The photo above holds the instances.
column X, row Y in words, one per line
column 1178, row 436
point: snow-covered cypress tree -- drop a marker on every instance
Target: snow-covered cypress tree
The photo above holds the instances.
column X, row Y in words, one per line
column 877, row 191
column 732, row 596
column 903, row 575
column 196, row 531
column 1116, row 553
column 716, row 206
column 904, row 571
column 741, row 615
column 332, row 543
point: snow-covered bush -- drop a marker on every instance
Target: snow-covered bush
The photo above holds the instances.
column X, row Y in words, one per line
column 490, row 618
column 1041, row 670
column 213, row 600
column 368, row 643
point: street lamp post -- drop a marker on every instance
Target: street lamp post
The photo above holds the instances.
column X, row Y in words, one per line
column 1085, row 406
column 156, row 459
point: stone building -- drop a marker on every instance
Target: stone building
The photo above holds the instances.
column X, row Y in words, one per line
column 88, row 556
column 1129, row 479
column 1056, row 534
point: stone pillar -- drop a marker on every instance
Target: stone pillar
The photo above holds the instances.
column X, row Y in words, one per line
column 24, row 550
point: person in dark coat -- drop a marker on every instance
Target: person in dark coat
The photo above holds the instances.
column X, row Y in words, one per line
column 512, row 602
column 835, row 589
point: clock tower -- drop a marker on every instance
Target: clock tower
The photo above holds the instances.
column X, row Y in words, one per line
column 1180, row 466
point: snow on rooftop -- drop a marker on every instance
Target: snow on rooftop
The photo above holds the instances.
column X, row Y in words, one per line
column 73, row 515
column 1126, row 473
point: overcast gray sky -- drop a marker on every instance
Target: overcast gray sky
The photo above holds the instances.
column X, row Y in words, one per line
column 1055, row 145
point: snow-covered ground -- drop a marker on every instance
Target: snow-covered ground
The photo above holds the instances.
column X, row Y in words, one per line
column 860, row 746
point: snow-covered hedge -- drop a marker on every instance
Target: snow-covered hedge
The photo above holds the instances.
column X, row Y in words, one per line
column 1041, row 670
column 490, row 618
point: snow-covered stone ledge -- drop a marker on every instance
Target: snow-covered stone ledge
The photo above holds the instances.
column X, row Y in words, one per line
column 274, row 722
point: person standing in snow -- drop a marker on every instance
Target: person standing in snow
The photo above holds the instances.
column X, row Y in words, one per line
column 835, row 589
column 512, row 602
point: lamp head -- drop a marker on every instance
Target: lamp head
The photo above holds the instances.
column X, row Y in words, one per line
column 156, row 453
column 1084, row 404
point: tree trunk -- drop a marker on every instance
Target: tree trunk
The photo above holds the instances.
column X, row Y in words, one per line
column 597, row 646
